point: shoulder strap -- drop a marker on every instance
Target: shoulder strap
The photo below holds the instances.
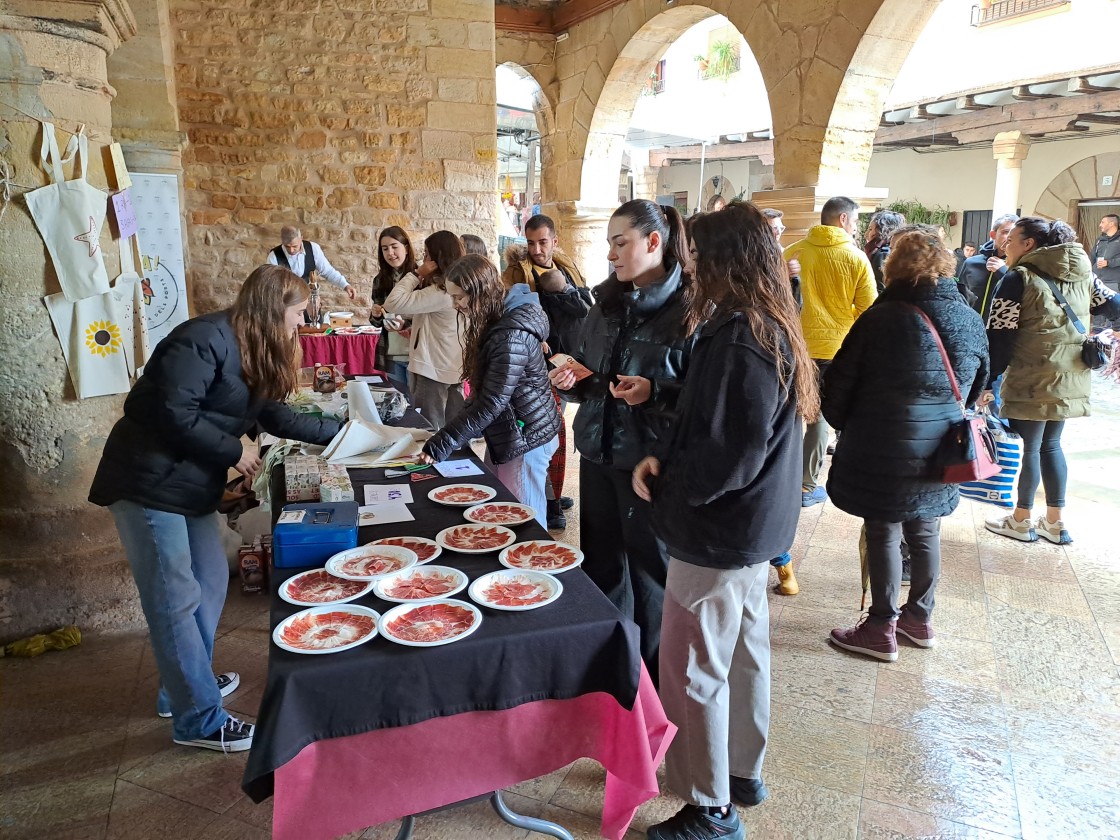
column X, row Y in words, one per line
column 281, row 255
column 1062, row 302
column 308, row 259
column 944, row 354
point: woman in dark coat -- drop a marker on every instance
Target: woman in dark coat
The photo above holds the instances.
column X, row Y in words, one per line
column 208, row 383
column 636, row 342
column 511, row 403
column 889, row 394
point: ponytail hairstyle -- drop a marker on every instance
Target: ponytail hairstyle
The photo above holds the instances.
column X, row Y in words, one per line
column 270, row 354
column 1044, row 233
column 443, row 247
column 648, row 217
column 740, row 268
column 481, row 283
column 387, row 276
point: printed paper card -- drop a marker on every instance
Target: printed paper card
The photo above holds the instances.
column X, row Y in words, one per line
column 384, row 514
column 458, row 468
column 381, row 494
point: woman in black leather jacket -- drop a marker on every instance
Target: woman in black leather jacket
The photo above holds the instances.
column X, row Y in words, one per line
column 636, row 341
column 511, row 404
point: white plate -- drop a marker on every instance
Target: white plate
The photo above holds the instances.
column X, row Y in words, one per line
column 505, row 557
column 524, row 513
column 357, row 587
column 457, row 582
column 404, row 557
column 309, row 616
column 442, row 536
column 406, row 542
column 542, row 584
column 489, row 491
column 428, row 607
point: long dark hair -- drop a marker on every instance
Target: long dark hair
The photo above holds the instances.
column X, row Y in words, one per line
column 739, row 268
column 481, row 283
column 648, row 217
column 270, row 354
column 443, row 247
column 387, row 276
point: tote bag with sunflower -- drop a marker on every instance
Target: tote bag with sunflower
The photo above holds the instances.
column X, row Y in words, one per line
column 93, row 343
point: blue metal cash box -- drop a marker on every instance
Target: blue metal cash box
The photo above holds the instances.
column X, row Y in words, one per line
column 308, row 533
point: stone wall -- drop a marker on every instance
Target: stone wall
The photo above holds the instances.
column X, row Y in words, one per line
column 339, row 116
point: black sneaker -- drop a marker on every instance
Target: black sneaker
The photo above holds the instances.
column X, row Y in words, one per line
column 749, row 792
column 234, row 736
column 557, row 521
column 227, row 684
column 567, row 503
column 693, row 823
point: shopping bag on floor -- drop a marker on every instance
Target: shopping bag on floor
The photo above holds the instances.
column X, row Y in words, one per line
column 1000, row 488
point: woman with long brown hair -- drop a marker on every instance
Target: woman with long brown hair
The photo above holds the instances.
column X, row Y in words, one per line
column 208, row 383
column 725, row 492
column 395, row 259
column 636, row 342
column 435, row 359
column 511, row 404
column 889, row 393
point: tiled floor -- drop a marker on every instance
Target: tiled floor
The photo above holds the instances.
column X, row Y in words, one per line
column 1010, row 728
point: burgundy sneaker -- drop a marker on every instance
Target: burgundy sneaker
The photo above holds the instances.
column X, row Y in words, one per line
column 919, row 632
column 871, row 638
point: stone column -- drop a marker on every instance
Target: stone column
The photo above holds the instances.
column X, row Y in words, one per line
column 645, row 176
column 801, row 206
column 583, row 236
column 1010, row 149
column 60, row 560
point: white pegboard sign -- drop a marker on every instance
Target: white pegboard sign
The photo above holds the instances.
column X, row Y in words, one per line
column 164, row 287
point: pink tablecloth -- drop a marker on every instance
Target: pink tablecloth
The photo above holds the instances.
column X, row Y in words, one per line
column 357, row 352
column 344, row 784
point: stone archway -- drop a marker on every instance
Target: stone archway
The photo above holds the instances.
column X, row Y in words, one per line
column 546, row 126
column 1079, row 182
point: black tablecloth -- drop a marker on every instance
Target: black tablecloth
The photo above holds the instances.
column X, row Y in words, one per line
column 576, row 645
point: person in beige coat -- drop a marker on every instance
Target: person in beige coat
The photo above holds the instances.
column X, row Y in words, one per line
column 435, row 359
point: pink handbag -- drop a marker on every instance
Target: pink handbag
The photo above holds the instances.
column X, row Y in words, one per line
column 967, row 452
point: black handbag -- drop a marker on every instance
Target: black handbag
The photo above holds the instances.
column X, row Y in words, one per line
column 1094, row 352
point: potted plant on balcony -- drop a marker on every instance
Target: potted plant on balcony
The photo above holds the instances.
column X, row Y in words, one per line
column 721, row 61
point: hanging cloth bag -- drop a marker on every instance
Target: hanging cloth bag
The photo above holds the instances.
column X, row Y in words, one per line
column 69, row 215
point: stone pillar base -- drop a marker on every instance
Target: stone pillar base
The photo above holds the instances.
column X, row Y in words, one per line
column 801, row 206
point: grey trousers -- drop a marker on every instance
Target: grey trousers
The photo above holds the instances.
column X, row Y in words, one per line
column 715, row 677
column 814, row 447
column 884, row 566
column 437, row 401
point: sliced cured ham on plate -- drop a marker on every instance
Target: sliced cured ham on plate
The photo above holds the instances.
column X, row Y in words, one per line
column 425, row 549
column 500, row 513
column 329, row 629
column 319, row 586
column 369, row 562
column 515, row 590
column 546, row 556
column 475, row 539
column 431, row 623
column 420, row 583
column 462, row 495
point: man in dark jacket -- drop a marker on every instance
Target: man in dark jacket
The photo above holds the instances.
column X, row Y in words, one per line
column 980, row 274
column 1106, row 253
column 963, row 253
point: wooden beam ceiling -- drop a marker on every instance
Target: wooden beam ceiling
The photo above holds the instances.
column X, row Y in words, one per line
column 549, row 21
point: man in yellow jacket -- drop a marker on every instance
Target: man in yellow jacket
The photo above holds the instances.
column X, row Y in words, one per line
column 837, row 285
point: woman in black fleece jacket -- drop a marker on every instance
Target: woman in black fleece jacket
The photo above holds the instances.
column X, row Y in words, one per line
column 725, row 501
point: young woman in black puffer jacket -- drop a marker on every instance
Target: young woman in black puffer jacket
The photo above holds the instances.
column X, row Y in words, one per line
column 511, row 404
column 636, row 341
column 888, row 393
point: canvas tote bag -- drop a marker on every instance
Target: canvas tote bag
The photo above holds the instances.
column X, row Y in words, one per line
column 93, row 343
column 69, row 215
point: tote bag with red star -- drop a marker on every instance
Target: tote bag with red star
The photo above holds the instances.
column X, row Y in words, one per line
column 69, row 215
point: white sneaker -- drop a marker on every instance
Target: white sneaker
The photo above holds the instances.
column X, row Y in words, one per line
column 1055, row 532
column 1009, row 526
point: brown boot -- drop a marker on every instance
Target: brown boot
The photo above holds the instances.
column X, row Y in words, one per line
column 871, row 638
column 787, row 580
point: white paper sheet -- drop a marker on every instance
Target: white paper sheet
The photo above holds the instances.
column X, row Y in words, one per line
column 384, row 514
column 381, row 494
column 359, row 444
column 362, row 404
column 458, row 468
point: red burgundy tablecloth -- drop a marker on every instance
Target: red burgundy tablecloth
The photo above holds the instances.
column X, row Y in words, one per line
column 357, row 352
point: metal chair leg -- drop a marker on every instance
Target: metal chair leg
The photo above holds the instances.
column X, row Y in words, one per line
column 550, row 829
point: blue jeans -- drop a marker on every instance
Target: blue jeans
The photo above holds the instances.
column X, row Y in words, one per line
column 180, row 570
column 526, row 476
